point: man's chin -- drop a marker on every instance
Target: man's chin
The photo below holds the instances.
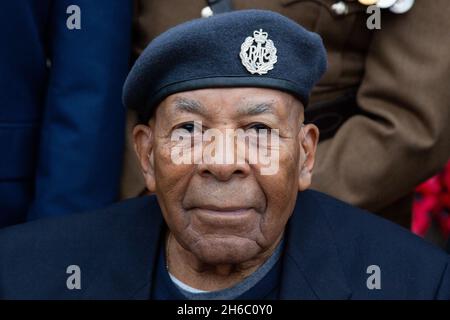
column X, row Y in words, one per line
column 225, row 249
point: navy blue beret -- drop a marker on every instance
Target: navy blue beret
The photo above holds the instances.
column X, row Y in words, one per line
column 248, row 48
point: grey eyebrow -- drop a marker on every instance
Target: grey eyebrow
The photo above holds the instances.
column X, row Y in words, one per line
column 257, row 109
column 188, row 105
column 194, row 106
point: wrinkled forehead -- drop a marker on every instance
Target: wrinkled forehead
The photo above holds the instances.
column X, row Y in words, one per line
column 231, row 102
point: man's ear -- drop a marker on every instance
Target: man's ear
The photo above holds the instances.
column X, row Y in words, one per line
column 143, row 146
column 308, row 138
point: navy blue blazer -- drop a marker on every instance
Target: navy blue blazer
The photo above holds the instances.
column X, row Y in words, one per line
column 328, row 248
column 61, row 127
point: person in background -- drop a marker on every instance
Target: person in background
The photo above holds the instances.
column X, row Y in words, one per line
column 431, row 208
column 62, row 66
column 382, row 107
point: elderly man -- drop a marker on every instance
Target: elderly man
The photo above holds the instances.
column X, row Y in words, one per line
column 219, row 226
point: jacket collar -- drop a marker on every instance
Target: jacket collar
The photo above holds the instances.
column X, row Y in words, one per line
column 311, row 265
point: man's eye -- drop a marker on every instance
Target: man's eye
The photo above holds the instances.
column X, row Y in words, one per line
column 188, row 126
column 258, row 127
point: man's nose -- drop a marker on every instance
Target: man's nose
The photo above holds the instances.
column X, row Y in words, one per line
column 224, row 172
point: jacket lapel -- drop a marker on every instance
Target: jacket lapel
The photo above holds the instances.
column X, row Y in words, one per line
column 127, row 271
column 311, row 266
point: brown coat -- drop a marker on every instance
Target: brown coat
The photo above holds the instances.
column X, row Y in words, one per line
column 402, row 77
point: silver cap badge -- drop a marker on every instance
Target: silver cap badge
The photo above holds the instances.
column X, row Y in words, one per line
column 258, row 53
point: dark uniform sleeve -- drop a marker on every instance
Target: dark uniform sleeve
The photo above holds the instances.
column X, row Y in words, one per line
column 82, row 130
column 377, row 158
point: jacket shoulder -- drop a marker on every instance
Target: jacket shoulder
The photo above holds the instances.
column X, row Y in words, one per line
column 35, row 256
column 75, row 225
column 406, row 262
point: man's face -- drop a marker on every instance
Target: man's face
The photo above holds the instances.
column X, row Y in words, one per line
column 229, row 212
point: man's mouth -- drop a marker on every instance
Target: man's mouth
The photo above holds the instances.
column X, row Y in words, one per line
column 230, row 211
column 225, row 210
column 224, row 219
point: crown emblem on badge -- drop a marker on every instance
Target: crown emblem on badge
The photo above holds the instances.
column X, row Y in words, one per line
column 258, row 53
